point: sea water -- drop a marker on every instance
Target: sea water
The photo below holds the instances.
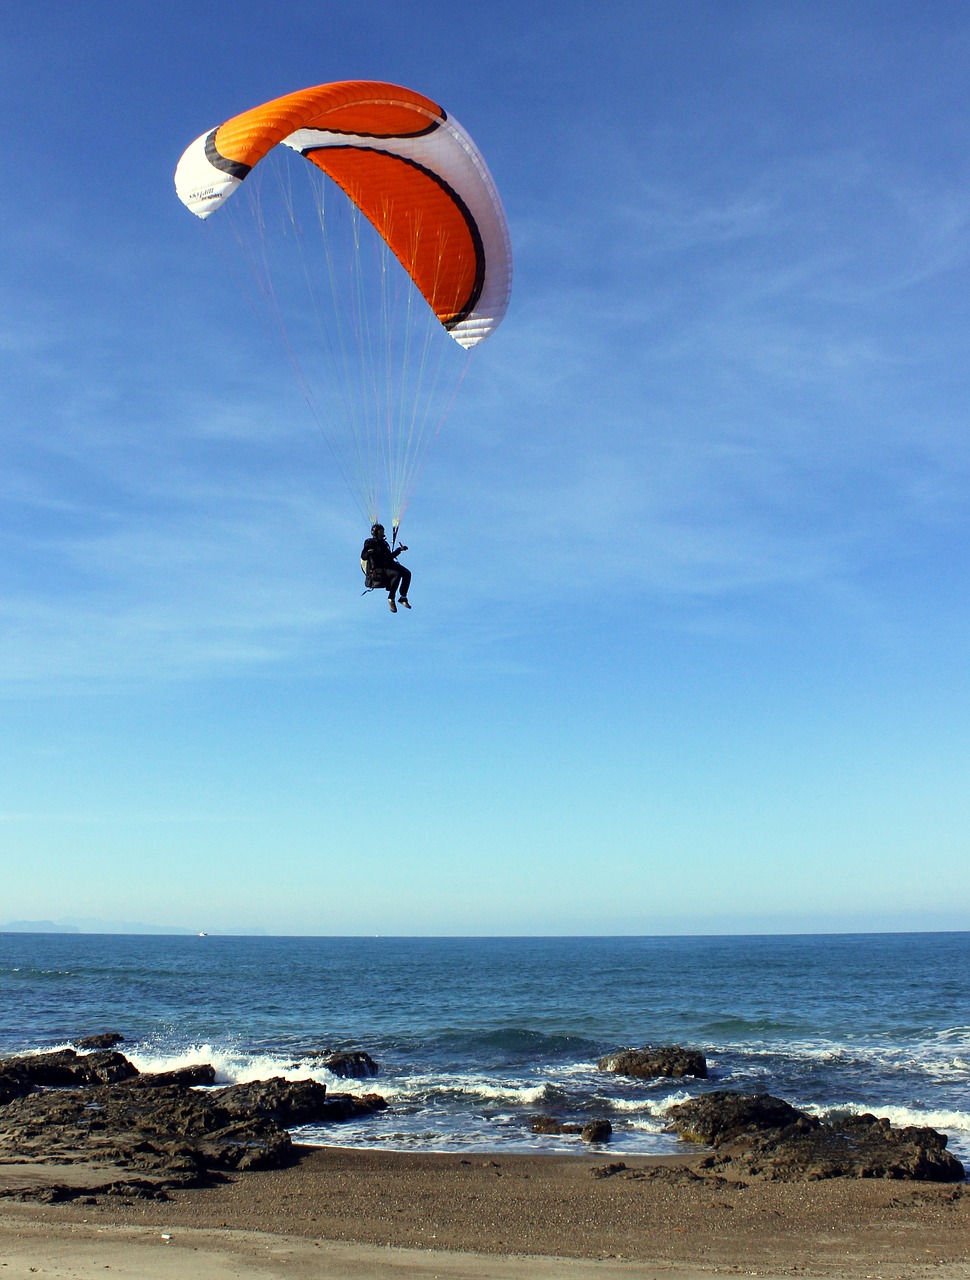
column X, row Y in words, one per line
column 476, row 1036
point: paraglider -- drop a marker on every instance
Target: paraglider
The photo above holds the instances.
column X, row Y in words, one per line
column 382, row 568
column 413, row 180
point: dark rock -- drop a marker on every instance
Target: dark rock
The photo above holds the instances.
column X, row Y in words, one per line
column 549, row 1124
column 288, row 1102
column 648, row 1062
column 765, row 1137
column 108, row 1067
column 13, row 1085
column 349, row 1106
column 608, row 1170
column 63, row 1068
column 597, row 1131
column 354, row 1065
column 250, row 1144
column 46, row 1070
column 167, row 1128
column 201, row 1073
column 95, row 1112
column 714, row 1117
column 137, row 1189
column 593, row 1131
column 103, row 1040
column 295, row 1102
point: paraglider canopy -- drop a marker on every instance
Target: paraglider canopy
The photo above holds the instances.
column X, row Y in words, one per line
column 412, row 170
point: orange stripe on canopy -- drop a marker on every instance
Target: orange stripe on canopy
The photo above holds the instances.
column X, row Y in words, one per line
column 353, row 106
column 427, row 228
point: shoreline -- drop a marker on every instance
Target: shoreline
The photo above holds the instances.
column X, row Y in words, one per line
column 376, row 1213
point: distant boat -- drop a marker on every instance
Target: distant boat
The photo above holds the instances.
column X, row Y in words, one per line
column 203, row 935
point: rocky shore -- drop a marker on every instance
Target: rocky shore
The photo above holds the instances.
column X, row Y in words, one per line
column 103, row 1167
column 86, row 1123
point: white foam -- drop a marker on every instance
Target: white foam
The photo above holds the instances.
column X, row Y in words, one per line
column 470, row 1086
column 901, row 1117
column 646, row 1124
column 47, row 1048
column 636, row 1105
column 568, row 1070
column 233, row 1066
column 526, row 1095
column 673, row 1100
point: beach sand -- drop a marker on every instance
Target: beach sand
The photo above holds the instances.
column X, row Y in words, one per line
column 350, row 1213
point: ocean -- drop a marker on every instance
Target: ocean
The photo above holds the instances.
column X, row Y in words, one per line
column 475, row 1036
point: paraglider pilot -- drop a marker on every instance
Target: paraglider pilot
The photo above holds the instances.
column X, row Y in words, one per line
column 381, row 568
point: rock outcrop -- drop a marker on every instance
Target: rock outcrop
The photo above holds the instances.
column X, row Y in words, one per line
column 592, row 1131
column 295, row 1102
column 103, row 1040
column 352, row 1064
column 762, row 1136
column 714, row 1118
column 63, row 1068
column 146, row 1133
column 597, row 1131
column 200, row 1073
column 663, row 1060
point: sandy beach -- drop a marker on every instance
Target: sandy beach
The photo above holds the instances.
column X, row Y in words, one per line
column 350, row 1213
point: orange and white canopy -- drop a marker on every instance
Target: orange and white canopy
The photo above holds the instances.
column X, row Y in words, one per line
column 410, row 169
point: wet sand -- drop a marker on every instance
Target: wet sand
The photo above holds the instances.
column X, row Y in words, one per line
column 350, row 1213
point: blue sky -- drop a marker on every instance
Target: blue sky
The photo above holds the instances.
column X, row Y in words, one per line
column 689, row 646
